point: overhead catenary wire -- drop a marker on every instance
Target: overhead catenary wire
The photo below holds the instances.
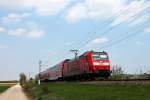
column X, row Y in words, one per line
column 118, row 37
column 119, row 40
column 110, row 19
column 111, row 28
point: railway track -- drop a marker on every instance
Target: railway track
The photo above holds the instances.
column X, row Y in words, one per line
column 119, row 82
column 109, row 82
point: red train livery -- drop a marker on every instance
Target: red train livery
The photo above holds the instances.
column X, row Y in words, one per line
column 89, row 65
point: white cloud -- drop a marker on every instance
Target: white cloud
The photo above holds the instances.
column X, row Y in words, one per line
column 2, row 29
column 93, row 9
column 76, row 13
column 147, row 30
column 41, row 7
column 139, row 43
column 132, row 10
column 140, row 20
column 3, row 46
column 18, row 32
column 50, row 7
column 36, row 33
column 16, row 4
column 119, row 10
column 14, row 17
column 96, row 41
column 23, row 32
column 86, row 9
column 99, row 40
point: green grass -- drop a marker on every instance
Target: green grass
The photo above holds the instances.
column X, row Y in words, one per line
column 3, row 88
column 72, row 91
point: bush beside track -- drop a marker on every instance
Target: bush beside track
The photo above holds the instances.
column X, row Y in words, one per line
column 75, row 91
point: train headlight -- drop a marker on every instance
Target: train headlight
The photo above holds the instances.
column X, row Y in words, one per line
column 106, row 63
column 96, row 63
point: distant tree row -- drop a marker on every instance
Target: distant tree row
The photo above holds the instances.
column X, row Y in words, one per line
column 119, row 73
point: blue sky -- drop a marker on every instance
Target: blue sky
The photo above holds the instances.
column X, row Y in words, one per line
column 33, row 30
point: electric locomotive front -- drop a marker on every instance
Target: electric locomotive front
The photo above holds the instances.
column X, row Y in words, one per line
column 100, row 64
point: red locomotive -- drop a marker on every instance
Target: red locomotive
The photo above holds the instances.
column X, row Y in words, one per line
column 89, row 65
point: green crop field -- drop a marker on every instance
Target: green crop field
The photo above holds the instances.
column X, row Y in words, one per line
column 73, row 91
column 3, row 88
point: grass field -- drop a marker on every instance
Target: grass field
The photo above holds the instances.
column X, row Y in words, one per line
column 8, row 83
column 72, row 91
column 3, row 88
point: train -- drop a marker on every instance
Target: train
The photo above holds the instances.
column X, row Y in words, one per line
column 89, row 65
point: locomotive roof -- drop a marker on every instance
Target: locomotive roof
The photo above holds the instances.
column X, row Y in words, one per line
column 85, row 54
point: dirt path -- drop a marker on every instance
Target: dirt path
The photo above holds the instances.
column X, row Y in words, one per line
column 13, row 93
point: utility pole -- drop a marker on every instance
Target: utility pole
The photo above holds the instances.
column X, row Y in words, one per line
column 39, row 81
column 29, row 76
column 75, row 52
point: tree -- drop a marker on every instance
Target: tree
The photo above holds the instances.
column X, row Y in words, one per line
column 23, row 79
column 117, row 70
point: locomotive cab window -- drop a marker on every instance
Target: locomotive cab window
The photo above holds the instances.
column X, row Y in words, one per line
column 99, row 56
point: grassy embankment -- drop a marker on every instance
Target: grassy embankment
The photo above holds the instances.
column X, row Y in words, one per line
column 4, row 85
column 3, row 88
column 73, row 91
